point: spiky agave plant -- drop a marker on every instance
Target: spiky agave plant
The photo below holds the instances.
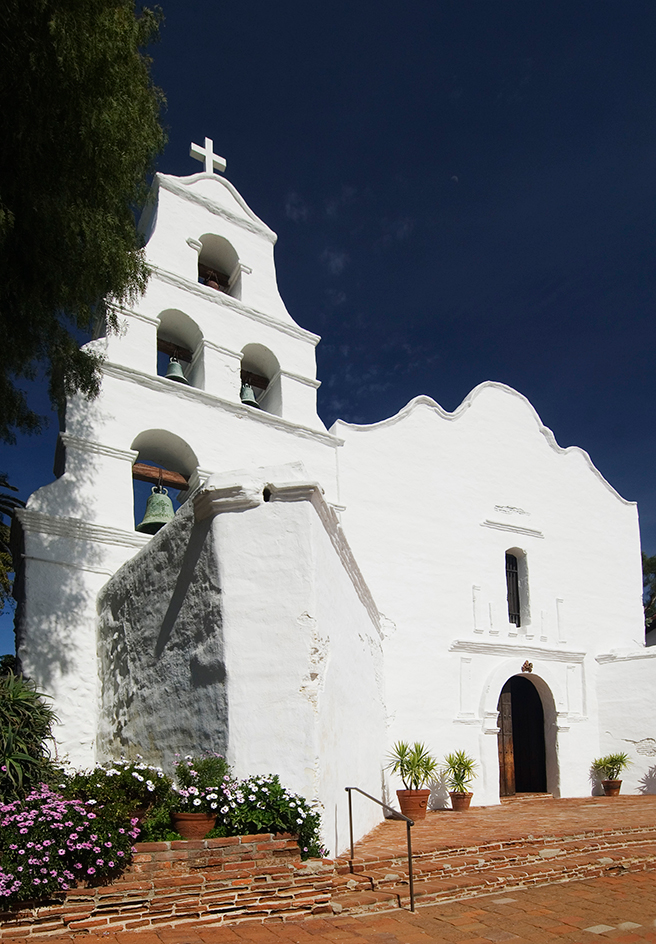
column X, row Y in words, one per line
column 413, row 763
column 610, row 766
column 459, row 771
column 25, row 729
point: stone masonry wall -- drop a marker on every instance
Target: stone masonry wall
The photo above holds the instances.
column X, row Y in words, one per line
column 173, row 883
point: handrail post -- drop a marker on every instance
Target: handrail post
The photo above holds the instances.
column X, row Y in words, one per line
column 408, row 823
column 408, row 827
column 348, row 790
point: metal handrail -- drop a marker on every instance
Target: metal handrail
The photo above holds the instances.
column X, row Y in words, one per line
column 409, row 823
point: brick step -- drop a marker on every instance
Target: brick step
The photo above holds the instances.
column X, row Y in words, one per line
column 592, row 839
column 426, row 869
column 378, row 890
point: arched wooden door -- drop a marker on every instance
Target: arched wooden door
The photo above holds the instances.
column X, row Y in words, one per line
column 522, row 763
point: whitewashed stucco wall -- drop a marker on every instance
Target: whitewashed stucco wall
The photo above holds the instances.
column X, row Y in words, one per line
column 432, row 503
column 302, row 650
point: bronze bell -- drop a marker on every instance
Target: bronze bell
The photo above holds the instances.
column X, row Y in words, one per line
column 247, row 396
column 159, row 511
column 174, row 372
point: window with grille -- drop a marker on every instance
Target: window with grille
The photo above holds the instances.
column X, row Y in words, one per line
column 512, row 583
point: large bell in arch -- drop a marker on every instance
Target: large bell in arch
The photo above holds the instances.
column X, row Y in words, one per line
column 159, row 511
column 247, row 396
column 174, row 372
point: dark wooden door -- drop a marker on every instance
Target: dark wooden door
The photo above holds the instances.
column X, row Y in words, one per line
column 505, row 740
column 522, row 764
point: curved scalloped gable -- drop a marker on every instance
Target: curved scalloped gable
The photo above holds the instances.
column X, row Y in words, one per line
column 434, row 500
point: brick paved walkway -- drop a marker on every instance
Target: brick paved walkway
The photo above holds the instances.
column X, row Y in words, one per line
column 619, row 908
column 620, row 905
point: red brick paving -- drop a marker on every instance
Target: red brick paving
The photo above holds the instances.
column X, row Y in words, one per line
column 560, row 913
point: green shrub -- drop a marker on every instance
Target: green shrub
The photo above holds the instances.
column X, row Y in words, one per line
column 205, row 771
column 25, row 729
column 124, row 786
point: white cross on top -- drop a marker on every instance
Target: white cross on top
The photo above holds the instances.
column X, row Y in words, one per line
column 212, row 161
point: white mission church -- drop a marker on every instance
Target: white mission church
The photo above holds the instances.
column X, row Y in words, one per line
column 456, row 578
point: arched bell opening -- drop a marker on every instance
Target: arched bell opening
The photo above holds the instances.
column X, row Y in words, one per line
column 527, row 737
column 260, row 379
column 218, row 265
column 160, row 474
column 180, row 349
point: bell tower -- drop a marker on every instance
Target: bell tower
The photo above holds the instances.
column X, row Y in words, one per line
column 207, row 373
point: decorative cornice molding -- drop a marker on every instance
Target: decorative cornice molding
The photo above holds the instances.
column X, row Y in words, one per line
column 227, row 301
column 515, row 528
column 516, row 651
column 467, row 403
column 96, row 448
column 180, row 187
column 221, row 350
column 626, row 655
column 138, row 315
column 308, row 381
column 210, row 502
column 193, row 394
column 70, row 564
column 312, row 492
column 35, row 522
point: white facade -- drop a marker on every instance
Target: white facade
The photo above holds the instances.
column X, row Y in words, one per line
column 350, row 584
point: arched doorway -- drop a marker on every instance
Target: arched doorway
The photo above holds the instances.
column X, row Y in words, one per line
column 522, row 762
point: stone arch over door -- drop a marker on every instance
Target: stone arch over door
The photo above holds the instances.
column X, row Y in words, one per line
column 526, row 738
column 554, row 707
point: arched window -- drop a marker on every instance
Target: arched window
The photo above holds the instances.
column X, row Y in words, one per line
column 179, row 349
column 164, row 460
column 260, row 371
column 218, row 265
column 517, row 587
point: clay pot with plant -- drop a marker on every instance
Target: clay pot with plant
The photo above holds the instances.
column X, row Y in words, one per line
column 416, row 767
column 458, row 772
column 607, row 770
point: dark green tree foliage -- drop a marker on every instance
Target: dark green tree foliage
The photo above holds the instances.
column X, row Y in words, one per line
column 8, row 504
column 25, row 729
column 649, row 590
column 80, row 131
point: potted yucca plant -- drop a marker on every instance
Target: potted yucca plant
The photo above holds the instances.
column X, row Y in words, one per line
column 416, row 767
column 459, row 770
column 607, row 769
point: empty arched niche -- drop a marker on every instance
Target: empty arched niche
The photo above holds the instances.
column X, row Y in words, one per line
column 163, row 459
column 261, row 371
column 218, row 265
column 179, row 339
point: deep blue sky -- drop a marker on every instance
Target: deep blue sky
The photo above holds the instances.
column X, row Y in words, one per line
column 463, row 191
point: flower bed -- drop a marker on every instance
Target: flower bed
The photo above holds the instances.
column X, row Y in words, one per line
column 173, row 884
column 51, row 841
column 49, row 844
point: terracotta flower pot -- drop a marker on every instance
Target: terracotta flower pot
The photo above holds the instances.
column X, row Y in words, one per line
column 460, row 801
column 611, row 787
column 193, row 825
column 413, row 803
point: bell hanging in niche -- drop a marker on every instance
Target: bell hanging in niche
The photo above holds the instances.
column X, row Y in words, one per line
column 247, row 396
column 159, row 511
column 174, row 372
